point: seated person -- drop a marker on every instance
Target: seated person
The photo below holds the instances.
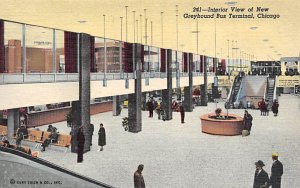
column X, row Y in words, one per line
column 51, row 128
column 6, row 144
column 52, row 139
column 21, row 133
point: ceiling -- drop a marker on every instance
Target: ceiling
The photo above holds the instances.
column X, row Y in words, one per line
column 263, row 39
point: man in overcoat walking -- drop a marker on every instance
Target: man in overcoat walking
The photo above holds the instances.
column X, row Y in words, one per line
column 276, row 172
column 138, row 177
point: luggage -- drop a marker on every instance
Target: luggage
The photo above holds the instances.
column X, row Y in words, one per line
column 245, row 133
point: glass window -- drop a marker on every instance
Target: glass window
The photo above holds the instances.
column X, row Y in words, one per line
column 180, row 61
column 155, row 59
column 99, row 54
column 196, row 62
column 60, row 51
column 174, row 62
column 209, row 61
column 13, row 47
column 112, row 56
column 39, row 49
column 147, row 59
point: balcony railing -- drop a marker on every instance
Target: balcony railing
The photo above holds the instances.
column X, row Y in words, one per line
column 17, row 78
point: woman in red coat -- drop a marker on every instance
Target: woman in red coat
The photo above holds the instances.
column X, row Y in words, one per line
column 262, row 107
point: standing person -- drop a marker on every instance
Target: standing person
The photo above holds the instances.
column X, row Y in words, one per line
column 21, row 133
column 267, row 108
column 276, row 172
column 80, row 140
column 182, row 112
column 158, row 110
column 247, row 121
column 275, row 107
column 150, row 108
column 261, row 178
column 262, row 106
column 138, row 177
column 101, row 138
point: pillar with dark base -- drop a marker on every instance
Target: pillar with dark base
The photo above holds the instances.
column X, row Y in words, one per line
column 135, row 99
column 203, row 88
column 167, row 93
column 84, row 86
column 188, row 91
column 13, row 121
column 82, row 107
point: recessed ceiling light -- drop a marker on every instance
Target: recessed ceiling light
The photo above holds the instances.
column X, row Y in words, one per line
column 271, row 46
column 275, row 51
column 266, row 40
column 279, row 54
column 81, row 21
column 253, row 28
column 182, row 45
column 231, row 3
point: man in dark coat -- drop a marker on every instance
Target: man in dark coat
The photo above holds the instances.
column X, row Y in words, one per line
column 247, row 121
column 261, row 178
column 182, row 112
column 138, row 177
column 150, row 108
column 276, row 172
column 101, row 138
column 80, row 140
column 275, row 107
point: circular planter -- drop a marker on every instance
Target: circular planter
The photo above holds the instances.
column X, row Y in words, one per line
column 226, row 127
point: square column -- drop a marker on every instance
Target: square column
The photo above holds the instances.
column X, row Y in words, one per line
column 188, row 91
column 167, row 93
column 135, row 99
column 81, row 109
column 203, row 88
column 116, row 106
column 13, row 121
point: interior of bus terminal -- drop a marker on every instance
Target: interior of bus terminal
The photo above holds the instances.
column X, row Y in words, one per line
column 175, row 154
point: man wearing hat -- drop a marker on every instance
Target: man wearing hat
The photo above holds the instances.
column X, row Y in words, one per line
column 276, row 172
column 261, row 178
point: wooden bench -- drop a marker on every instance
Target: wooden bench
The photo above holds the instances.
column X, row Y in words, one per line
column 3, row 131
column 63, row 140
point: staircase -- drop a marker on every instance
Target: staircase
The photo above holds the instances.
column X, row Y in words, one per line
column 270, row 91
column 234, row 91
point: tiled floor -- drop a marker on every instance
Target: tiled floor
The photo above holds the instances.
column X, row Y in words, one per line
column 179, row 155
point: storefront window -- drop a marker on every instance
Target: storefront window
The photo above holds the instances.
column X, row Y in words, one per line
column 13, row 47
column 39, row 49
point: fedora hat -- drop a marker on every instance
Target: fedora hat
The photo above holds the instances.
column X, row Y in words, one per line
column 259, row 163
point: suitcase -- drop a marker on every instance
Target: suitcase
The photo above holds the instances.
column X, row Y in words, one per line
column 245, row 133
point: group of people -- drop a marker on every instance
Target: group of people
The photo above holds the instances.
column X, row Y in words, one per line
column 159, row 109
column 261, row 178
column 264, row 107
